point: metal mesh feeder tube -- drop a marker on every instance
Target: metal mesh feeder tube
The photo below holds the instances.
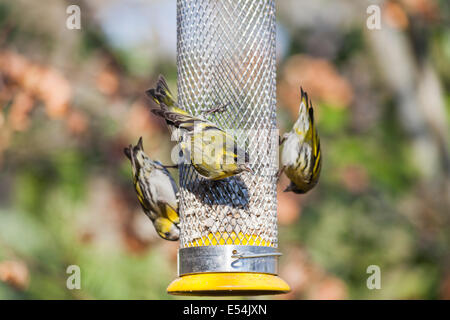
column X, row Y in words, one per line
column 226, row 56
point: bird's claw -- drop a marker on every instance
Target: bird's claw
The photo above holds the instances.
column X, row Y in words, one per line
column 218, row 109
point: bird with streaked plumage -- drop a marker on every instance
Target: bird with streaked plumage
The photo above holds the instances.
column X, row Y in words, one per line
column 301, row 157
column 213, row 152
column 156, row 190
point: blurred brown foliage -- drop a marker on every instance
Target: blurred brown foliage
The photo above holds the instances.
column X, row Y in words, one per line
column 318, row 76
column 14, row 273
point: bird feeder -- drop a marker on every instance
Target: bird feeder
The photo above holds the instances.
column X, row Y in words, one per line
column 228, row 241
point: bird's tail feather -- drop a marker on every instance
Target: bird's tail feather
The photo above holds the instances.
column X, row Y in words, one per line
column 161, row 94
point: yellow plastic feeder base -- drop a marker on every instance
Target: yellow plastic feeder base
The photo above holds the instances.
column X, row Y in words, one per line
column 228, row 284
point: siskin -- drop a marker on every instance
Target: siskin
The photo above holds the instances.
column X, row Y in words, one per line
column 213, row 153
column 301, row 156
column 156, row 191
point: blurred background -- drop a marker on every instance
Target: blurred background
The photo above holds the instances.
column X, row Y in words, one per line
column 70, row 100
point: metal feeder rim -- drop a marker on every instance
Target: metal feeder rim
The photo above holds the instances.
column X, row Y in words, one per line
column 228, row 258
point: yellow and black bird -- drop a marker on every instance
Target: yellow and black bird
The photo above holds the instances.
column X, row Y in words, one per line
column 301, row 158
column 156, row 190
column 213, row 152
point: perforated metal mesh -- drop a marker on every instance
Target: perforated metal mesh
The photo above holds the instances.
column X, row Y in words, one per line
column 226, row 55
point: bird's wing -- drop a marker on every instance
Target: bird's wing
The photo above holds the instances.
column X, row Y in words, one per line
column 165, row 188
column 291, row 149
